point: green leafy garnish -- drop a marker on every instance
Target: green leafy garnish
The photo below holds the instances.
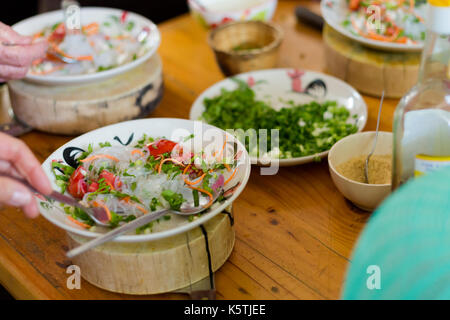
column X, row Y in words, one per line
column 154, row 204
column 174, row 199
column 104, row 144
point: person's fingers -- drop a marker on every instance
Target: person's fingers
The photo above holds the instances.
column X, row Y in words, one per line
column 17, row 195
column 17, row 152
column 22, row 55
column 7, row 167
column 12, row 72
column 31, row 209
column 8, row 35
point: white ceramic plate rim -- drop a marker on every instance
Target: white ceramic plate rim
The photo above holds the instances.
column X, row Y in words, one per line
column 54, row 16
column 152, row 236
column 261, row 3
column 327, row 14
column 198, row 104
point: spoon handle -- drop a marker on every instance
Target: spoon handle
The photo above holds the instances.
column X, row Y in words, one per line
column 115, row 232
column 54, row 196
column 366, row 165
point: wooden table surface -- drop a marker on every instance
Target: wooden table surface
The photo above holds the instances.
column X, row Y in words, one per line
column 294, row 231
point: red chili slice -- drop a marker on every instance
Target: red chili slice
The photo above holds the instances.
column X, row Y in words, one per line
column 124, row 16
column 161, row 146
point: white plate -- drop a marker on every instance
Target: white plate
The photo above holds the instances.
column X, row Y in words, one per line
column 128, row 133
column 336, row 13
column 89, row 14
column 276, row 83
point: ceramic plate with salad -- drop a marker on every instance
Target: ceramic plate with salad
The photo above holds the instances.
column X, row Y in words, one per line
column 108, row 42
column 311, row 111
column 392, row 25
column 138, row 167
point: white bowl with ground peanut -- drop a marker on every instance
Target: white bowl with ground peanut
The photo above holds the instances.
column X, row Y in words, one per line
column 346, row 161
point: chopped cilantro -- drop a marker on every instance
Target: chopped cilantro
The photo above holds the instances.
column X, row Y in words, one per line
column 174, row 199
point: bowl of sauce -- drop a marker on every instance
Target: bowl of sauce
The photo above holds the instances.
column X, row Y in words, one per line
column 246, row 46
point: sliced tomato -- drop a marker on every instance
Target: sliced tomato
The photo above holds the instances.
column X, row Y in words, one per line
column 124, row 16
column 93, row 187
column 110, row 179
column 77, row 183
column 161, row 146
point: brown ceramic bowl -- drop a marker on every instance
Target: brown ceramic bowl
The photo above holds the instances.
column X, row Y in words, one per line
column 245, row 46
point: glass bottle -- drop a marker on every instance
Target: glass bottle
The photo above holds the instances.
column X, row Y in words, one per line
column 422, row 117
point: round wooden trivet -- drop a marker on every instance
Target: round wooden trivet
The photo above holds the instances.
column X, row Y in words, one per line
column 370, row 71
column 158, row 266
column 77, row 109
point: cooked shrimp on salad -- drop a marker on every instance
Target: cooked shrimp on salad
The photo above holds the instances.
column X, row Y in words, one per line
column 156, row 173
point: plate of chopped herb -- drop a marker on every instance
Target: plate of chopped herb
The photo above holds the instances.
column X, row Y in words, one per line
column 287, row 115
column 138, row 167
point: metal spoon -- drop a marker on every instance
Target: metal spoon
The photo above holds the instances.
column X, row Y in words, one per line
column 98, row 214
column 186, row 209
column 366, row 166
column 61, row 57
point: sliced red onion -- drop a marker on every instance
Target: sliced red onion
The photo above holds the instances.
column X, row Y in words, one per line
column 218, row 183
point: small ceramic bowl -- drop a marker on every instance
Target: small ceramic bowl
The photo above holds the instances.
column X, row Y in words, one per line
column 213, row 13
column 364, row 196
column 246, row 46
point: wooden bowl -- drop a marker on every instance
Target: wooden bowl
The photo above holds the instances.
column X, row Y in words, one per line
column 370, row 71
column 73, row 110
column 364, row 196
column 165, row 265
column 245, row 46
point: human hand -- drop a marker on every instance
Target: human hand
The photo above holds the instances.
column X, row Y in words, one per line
column 18, row 160
column 17, row 53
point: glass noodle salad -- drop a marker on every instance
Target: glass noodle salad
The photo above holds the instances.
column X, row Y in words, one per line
column 96, row 47
column 401, row 21
column 153, row 174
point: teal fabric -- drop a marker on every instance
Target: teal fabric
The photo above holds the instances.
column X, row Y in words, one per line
column 408, row 238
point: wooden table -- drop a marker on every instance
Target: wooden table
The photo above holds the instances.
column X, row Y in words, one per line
column 294, row 231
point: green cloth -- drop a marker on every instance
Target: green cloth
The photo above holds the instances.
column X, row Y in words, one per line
column 408, row 238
